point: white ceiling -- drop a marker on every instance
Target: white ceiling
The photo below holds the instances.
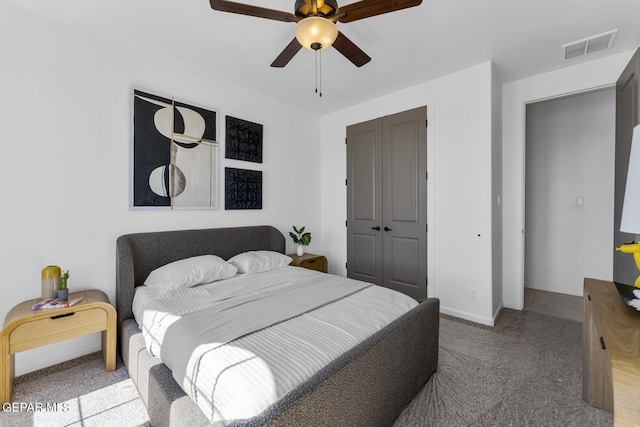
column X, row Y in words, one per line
column 522, row 37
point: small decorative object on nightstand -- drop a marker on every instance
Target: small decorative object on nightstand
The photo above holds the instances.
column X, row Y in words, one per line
column 300, row 238
column 310, row 261
column 50, row 280
column 63, row 291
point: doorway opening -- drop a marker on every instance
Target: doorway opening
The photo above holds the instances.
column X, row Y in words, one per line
column 569, row 198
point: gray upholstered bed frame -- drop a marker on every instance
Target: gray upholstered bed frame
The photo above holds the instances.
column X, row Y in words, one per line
column 368, row 386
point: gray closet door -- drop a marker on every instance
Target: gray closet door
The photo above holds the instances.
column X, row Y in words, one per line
column 364, row 201
column 387, row 202
column 404, row 196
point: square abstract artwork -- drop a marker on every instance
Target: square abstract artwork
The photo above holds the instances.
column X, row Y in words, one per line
column 243, row 189
column 243, row 140
column 175, row 154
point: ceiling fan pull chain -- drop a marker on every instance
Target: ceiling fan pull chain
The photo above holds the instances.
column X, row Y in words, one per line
column 316, row 69
column 320, row 74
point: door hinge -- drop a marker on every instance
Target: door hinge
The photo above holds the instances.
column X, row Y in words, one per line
column 345, row 140
column 426, row 123
column 345, row 265
column 426, row 175
column 345, row 182
column 345, row 223
column 426, row 228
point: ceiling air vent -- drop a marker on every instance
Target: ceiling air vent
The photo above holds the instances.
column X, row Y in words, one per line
column 589, row 45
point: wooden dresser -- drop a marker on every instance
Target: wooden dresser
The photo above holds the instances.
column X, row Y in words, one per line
column 611, row 353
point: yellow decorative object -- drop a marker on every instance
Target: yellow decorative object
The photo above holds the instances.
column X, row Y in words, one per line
column 632, row 248
column 50, row 280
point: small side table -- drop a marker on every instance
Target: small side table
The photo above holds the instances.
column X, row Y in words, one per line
column 310, row 261
column 25, row 329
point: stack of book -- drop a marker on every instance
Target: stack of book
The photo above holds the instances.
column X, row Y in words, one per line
column 54, row 303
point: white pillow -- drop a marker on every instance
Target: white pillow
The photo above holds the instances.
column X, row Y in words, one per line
column 259, row 261
column 189, row 272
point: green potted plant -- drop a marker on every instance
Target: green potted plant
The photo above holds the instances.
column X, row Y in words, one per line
column 300, row 238
column 63, row 291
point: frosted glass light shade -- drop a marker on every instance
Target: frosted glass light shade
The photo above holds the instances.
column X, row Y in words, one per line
column 315, row 29
column 630, row 222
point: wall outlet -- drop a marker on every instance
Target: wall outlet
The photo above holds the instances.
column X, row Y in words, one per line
column 474, row 295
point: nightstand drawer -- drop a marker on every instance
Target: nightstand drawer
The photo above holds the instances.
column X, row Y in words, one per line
column 310, row 262
column 318, row 263
column 56, row 328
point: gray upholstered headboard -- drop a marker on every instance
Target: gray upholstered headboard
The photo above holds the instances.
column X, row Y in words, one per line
column 139, row 254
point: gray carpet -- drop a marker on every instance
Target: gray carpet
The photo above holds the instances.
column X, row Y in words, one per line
column 526, row 371
column 85, row 394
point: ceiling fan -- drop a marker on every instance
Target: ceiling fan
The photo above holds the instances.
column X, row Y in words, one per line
column 315, row 23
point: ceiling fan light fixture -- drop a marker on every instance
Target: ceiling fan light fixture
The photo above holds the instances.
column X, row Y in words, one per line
column 315, row 30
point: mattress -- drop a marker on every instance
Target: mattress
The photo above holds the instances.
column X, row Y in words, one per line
column 238, row 377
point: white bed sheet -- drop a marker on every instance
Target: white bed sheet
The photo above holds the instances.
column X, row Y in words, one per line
column 241, row 379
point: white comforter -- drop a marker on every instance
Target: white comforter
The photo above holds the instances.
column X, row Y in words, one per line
column 242, row 378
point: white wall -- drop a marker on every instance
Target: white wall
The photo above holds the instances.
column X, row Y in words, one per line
column 516, row 95
column 459, row 139
column 570, row 146
column 65, row 119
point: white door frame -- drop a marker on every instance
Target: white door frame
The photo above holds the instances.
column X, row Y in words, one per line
column 515, row 99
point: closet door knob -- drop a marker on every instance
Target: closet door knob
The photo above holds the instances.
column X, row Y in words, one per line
column 376, row 228
column 387, row 229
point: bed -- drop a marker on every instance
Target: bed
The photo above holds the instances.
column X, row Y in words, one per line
column 367, row 385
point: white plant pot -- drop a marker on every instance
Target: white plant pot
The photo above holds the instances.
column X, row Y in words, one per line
column 300, row 250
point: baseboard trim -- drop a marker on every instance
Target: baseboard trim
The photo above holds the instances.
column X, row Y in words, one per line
column 468, row 316
column 511, row 305
column 496, row 314
column 557, row 289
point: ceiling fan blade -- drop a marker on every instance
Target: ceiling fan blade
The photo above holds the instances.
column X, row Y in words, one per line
column 367, row 8
column 246, row 9
column 350, row 51
column 287, row 54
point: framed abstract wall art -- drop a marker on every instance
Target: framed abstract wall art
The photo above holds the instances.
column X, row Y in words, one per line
column 175, row 154
column 243, row 140
column 243, row 189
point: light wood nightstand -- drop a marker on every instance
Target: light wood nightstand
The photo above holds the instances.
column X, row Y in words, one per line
column 310, row 261
column 25, row 329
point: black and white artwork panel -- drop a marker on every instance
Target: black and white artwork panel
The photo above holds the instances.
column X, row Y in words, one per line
column 151, row 153
column 243, row 140
column 200, row 188
column 175, row 154
column 243, row 189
